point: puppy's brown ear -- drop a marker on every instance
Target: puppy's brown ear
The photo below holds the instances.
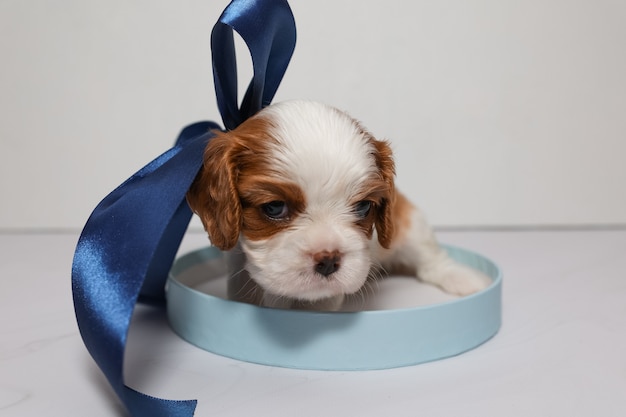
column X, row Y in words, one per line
column 213, row 194
column 386, row 168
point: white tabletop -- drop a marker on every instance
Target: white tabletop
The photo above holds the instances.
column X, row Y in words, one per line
column 561, row 350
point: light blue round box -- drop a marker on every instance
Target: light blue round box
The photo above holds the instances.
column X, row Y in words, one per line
column 330, row 341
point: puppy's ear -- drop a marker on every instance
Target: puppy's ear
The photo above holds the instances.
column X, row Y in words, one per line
column 213, row 194
column 386, row 168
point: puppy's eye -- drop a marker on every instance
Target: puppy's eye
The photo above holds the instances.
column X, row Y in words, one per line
column 276, row 210
column 362, row 208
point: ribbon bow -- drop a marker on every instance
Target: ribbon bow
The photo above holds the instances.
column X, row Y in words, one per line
column 130, row 240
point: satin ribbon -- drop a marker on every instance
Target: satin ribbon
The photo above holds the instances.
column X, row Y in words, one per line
column 129, row 242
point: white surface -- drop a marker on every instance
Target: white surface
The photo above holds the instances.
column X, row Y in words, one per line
column 560, row 351
column 500, row 112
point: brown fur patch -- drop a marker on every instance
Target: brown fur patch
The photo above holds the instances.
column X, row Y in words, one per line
column 387, row 191
column 257, row 190
column 376, row 191
column 402, row 217
column 229, row 156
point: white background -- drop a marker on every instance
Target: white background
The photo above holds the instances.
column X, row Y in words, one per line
column 501, row 113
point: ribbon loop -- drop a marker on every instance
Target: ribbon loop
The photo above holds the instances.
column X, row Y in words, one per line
column 129, row 242
column 271, row 42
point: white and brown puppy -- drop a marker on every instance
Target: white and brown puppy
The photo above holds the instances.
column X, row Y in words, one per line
column 305, row 196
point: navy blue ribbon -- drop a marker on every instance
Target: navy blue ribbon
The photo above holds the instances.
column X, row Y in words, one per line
column 128, row 244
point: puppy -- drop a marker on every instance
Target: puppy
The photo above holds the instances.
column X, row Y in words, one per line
column 304, row 198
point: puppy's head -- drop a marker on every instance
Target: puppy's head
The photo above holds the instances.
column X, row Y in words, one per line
column 303, row 187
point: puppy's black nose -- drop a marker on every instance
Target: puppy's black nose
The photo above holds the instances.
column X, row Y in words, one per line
column 327, row 262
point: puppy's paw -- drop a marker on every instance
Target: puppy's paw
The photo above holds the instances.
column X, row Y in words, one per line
column 457, row 279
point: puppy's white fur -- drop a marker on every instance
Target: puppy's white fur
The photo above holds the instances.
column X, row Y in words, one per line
column 323, row 165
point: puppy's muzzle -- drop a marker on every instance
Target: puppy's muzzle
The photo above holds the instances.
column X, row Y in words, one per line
column 327, row 262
